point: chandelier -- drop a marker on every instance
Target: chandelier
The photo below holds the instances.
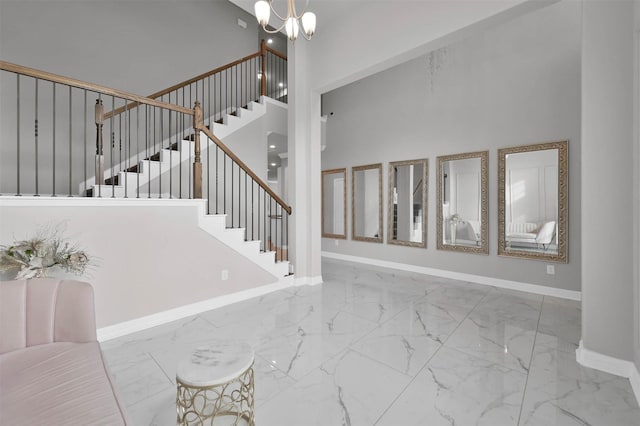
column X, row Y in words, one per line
column 291, row 23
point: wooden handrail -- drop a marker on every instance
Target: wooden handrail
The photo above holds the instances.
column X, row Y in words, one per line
column 43, row 75
column 185, row 83
column 278, row 54
column 247, row 170
column 201, row 76
column 192, row 80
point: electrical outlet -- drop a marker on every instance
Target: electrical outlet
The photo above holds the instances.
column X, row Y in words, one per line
column 551, row 270
column 224, row 275
column 336, row 242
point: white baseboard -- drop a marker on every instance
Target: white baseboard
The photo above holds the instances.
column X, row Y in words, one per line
column 477, row 279
column 611, row 365
column 309, row 280
column 635, row 383
column 153, row 320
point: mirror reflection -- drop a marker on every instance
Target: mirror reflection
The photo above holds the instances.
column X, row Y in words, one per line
column 334, row 209
column 407, row 203
column 462, row 208
column 533, row 201
column 366, row 203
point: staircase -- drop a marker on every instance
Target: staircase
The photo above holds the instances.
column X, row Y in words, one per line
column 160, row 146
column 135, row 181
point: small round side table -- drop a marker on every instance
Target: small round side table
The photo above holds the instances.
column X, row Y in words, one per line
column 215, row 386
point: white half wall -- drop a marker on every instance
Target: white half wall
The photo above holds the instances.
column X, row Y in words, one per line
column 148, row 256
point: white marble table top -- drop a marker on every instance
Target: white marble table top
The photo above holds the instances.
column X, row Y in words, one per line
column 216, row 363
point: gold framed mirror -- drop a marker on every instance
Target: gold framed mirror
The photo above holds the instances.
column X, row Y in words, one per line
column 406, row 218
column 462, row 194
column 533, row 201
column 366, row 203
column 334, row 203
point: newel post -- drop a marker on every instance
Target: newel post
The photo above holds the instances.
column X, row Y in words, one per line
column 197, row 164
column 99, row 143
column 263, row 68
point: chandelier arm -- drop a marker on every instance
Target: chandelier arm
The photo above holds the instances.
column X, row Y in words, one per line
column 304, row 10
column 276, row 13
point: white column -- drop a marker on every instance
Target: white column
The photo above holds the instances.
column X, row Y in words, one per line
column 304, row 167
column 607, row 175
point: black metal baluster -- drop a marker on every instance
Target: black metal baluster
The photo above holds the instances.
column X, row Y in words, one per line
column 217, row 173
column 245, row 206
column 226, row 91
column 252, row 216
column 127, row 144
column 191, row 142
column 138, row 152
column 238, row 102
column 54, row 142
column 18, row 134
column 270, row 223
column 170, row 154
column 181, row 135
column 120, row 160
column 84, row 145
column 147, row 122
column 209, row 173
column 233, row 222
column 113, row 178
column 36, row 141
column 70, row 144
column 224, row 184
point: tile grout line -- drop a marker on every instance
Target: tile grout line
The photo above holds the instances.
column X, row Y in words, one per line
column 533, row 348
column 161, row 369
column 433, row 355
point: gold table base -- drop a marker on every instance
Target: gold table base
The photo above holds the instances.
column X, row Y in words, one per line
column 202, row 405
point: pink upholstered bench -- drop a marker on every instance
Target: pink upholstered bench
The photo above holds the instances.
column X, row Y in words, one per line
column 51, row 367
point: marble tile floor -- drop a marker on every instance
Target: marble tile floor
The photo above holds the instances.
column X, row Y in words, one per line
column 372, row 346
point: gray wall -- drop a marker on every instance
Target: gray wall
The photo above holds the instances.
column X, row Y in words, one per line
column 607, row 161
column 140, row 46
column 515, row 84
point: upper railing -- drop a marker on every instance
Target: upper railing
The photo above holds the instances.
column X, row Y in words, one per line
column 57, row 124
column 228, row 88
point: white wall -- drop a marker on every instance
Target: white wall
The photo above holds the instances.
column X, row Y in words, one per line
column 250, row 142
column 369, row 38
column 607, row 178
column 148, row 257
column 514, row 84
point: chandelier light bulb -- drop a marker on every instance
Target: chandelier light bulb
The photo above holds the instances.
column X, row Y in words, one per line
column 309, row 23
column 263, row 12
column 292, row 28
column 291, row 23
